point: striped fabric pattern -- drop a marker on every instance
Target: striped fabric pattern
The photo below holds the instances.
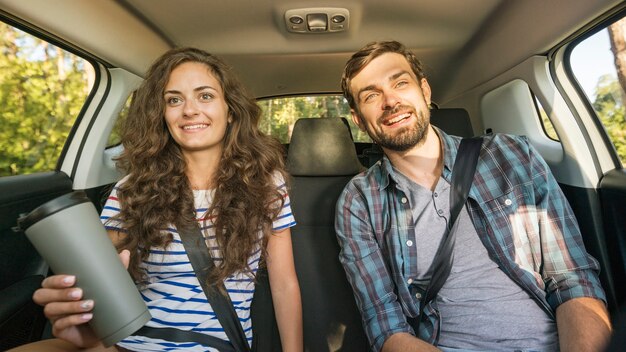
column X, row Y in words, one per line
column 174, row 295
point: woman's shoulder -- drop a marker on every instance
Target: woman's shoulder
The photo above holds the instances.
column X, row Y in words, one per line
column 279, row 179
column 118, row 184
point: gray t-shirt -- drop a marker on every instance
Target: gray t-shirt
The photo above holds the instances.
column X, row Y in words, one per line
column 481, row 307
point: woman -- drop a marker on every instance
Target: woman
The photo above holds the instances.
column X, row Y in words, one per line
column 192, row 154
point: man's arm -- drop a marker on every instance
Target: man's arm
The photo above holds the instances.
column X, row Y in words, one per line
column 366, row 271
column 573, row 286
column 583, row 325
column 403, row 342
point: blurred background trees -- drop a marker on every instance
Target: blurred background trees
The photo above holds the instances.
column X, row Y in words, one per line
column 42, row 89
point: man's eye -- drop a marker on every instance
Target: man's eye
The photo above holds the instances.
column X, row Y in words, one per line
column 401, row 84
column 370, row 97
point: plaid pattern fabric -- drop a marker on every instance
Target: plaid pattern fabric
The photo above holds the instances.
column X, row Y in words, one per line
column 517, row 208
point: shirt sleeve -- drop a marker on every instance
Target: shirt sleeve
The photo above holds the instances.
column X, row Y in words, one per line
column 110, row 210
column 365, row 267
column 285, row 218
column 568, row 270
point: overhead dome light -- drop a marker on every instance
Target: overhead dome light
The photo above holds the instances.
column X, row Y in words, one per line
column 296, row 20
column 338, row 19
column 318, row 20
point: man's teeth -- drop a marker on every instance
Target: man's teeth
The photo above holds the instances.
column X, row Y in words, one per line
column 195, row 127
column 398, row 118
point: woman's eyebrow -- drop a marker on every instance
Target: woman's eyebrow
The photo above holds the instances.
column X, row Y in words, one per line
column 197, row 89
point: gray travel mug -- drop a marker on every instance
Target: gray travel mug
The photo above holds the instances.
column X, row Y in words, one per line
column 68, row 234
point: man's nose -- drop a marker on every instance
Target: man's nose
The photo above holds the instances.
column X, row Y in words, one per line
column 390, row 100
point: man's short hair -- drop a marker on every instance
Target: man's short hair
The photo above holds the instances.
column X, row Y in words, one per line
column 368, row 53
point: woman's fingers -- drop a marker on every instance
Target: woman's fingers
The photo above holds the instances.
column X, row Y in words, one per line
column 44, row 296
column 57, row 310
column 66, row 322
column 59, row 281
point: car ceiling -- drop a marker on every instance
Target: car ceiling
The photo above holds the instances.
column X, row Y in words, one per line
column 462, row 43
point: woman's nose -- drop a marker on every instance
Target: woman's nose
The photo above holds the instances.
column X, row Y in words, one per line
column 190, row 109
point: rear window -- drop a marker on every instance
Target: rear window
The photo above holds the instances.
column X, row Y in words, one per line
column 280, row 114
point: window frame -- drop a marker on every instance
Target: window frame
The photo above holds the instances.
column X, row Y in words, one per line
column 566, row 51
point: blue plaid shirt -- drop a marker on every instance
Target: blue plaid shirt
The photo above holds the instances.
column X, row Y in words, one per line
column 517, row 208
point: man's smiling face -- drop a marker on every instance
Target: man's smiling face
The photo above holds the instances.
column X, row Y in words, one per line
column 392, row 103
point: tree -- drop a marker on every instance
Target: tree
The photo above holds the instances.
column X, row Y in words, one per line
column 281, row 114
column 609, row 92
column 42, row 89
column 617, row 37
column 610, row 108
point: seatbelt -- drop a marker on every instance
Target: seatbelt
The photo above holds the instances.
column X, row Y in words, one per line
column 461, row 182
column 202, row 264
column 177, row 335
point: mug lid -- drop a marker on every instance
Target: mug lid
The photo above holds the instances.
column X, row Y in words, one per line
column 51, row 207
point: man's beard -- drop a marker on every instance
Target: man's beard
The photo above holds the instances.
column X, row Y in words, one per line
column 408, row 137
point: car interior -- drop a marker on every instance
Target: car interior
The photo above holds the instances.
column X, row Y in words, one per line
column 494, row 66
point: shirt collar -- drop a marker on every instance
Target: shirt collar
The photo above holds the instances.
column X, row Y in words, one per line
column 450, row 147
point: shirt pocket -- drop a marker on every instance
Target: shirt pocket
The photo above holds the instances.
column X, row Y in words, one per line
column 515, row 222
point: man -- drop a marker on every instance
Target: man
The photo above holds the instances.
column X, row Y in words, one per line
column 521, row 279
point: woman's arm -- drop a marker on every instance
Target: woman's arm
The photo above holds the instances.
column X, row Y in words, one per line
column 285, row 290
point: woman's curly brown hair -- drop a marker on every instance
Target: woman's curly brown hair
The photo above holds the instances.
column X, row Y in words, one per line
column 157, row 193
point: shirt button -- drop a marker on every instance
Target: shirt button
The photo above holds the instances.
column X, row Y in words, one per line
column 409, row 243
column 440, row 212
column 508, row 202
column 435, row 194
column 418, row 295
column 403, row 200
column 409, row 281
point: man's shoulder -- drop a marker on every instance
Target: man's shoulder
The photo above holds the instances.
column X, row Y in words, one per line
column 365, row 184
column 505, row 140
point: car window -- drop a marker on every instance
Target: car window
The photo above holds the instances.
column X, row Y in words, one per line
column 595, row 62
column 280, row 114
column 42, row 90
column 546, row 123
column 115, row 138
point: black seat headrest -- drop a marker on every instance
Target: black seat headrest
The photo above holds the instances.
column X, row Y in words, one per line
column 454, row 121
column 322, row 147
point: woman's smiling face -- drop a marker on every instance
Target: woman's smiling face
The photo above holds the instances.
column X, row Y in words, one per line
column 196, row 112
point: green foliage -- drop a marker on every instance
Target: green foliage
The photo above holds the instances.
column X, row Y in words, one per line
column 42, row 89
column 280, row 114
column 115, row 137
column 610, row 108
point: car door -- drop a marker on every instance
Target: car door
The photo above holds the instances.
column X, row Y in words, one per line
column 45, row 92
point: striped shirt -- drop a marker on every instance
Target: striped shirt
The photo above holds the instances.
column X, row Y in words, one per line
column 174, row 295
column 517, row 208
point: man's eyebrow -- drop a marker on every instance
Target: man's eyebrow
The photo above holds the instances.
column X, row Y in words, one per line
column 399, row 74
column 198, row 89
column 391, row 78
column 365, row 89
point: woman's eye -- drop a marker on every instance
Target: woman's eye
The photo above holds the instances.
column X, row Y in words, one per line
column 172, row 100
column 206, row 96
